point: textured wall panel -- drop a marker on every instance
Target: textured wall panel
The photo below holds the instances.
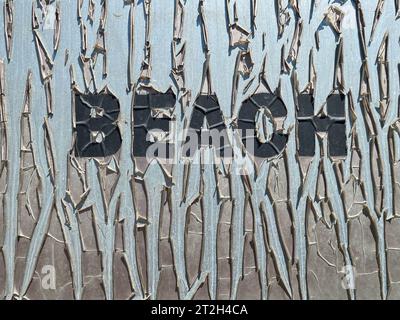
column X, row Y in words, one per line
column 85, row 215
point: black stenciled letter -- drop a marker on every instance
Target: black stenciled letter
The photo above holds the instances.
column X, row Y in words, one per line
column 97, row 132
column 334, row 124
column 144, row 121
column 247, row 125
column 206, row 107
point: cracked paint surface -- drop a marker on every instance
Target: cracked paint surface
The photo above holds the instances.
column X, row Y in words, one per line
column 121, row 227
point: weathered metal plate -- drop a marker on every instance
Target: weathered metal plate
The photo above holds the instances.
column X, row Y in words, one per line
column 102, row 196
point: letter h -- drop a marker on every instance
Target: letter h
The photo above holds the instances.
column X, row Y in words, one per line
column 334, row 124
